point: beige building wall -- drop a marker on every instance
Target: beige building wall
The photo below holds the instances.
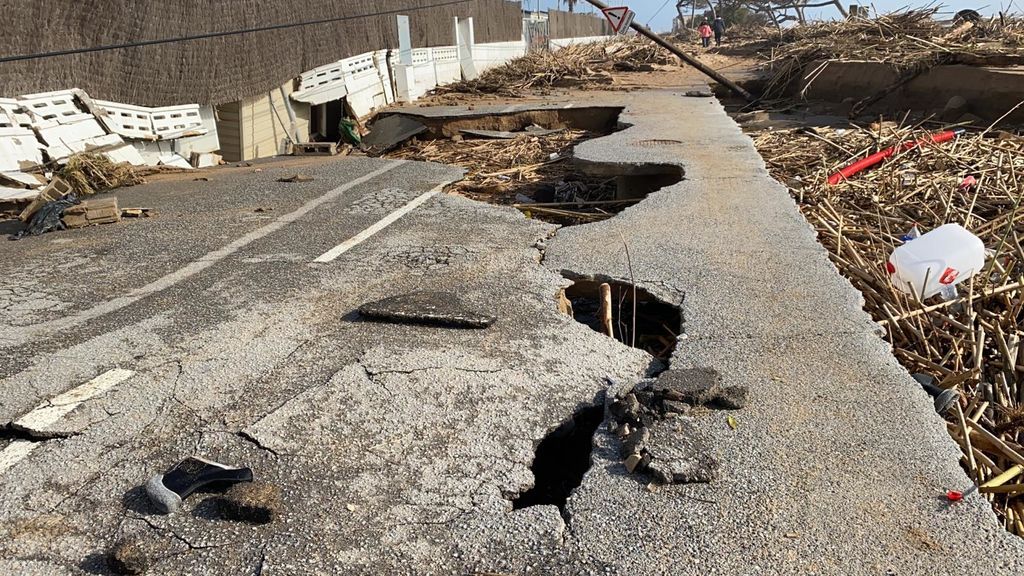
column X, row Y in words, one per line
column 259, row 127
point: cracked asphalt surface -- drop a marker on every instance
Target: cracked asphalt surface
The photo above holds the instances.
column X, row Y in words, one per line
column 398, row 447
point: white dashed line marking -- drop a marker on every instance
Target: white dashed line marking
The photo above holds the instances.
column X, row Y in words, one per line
column 48, row 413
column 382, row 224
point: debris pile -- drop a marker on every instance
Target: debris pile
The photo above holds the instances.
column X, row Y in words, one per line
column 970, row 343
column 91, row 173
column 575, row 65
column 86, row 141
column 657, row 434
column 531, row 172
column 912, row 40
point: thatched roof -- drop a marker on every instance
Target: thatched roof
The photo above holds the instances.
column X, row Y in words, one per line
column 215, row 70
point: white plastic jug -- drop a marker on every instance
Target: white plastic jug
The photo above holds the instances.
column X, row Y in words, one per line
column 936, row 261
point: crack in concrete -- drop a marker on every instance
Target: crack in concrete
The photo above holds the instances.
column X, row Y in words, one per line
column 256, row 442
column 176, row 536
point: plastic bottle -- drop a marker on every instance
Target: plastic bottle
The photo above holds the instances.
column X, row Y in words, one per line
column 936, row 261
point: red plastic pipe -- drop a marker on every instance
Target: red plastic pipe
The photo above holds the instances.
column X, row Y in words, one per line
column 879, row 157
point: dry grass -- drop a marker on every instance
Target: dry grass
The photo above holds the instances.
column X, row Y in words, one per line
column 585, row 64
column 911, row 40
column 971, row 344
column 91, row 173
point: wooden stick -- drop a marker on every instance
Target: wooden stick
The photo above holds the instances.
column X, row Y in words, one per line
column 605, row 312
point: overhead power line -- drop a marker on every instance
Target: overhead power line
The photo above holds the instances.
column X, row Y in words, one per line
column 40, row 55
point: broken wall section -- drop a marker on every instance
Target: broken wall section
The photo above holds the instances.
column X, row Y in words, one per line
column 223, row 69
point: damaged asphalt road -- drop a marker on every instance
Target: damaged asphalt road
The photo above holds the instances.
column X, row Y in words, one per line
column 402, row 448
column 405, row 443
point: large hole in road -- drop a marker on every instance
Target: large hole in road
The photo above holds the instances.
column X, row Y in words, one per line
column 561, row 460
column 608, row 308
column 525, row 159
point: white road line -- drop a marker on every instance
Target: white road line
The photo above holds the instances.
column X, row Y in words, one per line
column 382, row 224
column 48, row 413
column 27, row 333
column 15, row 452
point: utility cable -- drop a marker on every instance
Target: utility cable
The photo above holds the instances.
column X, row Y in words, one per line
column 40, row 55
column 658, row 12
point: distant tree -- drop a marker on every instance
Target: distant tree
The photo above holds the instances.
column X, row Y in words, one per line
column 776, row 12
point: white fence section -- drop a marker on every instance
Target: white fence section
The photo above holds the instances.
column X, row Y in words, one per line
column 376, row 79
column 142, row 123
column 364, row 79
column 53, row 107
column 323, row 84
column 486, row 56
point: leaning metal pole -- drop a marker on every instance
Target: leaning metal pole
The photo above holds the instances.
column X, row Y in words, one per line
column 684, row 57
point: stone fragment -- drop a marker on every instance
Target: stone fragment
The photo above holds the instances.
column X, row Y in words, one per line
column 254, row 502
column 635, row 441
column 673, row 407
column 129, row 556
column 442, row 308
column 632, row 462
column 296, row 178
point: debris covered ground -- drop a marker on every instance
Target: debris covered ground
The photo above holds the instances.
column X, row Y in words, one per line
column 912, row 40
column 581, row 65
column 532, row 173
column 970, row 344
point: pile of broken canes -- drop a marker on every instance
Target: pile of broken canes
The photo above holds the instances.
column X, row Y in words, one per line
column 654, row 421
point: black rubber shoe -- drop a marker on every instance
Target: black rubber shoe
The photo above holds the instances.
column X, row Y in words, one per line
column 167, row 490
column 944, row 399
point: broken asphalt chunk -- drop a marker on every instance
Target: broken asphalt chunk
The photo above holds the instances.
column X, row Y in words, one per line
column 679, row 454
column 296, row 178
column 697, row 387
column 390, row 131
column 167, row 490
column 441, row 308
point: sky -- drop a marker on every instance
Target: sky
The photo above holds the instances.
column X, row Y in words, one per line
column 659, row 13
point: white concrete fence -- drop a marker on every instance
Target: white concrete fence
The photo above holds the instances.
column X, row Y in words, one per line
column 376, row 79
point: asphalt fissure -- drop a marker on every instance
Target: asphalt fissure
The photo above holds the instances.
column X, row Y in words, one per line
column 561, row 460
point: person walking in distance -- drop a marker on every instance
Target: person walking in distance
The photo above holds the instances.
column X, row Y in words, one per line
column 719, row 27
column 705, row 34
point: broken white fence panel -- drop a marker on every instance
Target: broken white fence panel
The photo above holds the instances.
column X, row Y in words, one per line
column 11, row 194
column 53, row 107
column 129, row 121
column 464, row 39
column 20, row 178
column 14, row 113
column 380, row 61
column 446, row 64
column 177, row 121
column 19, row 149
column 321, row 85
column 63, row 140
column 423, row 72
column 126, row 153
column 365, row 93
column 175, row 160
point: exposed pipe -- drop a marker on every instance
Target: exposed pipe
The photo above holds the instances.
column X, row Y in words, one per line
column 879, row 157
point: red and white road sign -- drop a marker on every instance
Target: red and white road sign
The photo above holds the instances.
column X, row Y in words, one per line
column 620, row 17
